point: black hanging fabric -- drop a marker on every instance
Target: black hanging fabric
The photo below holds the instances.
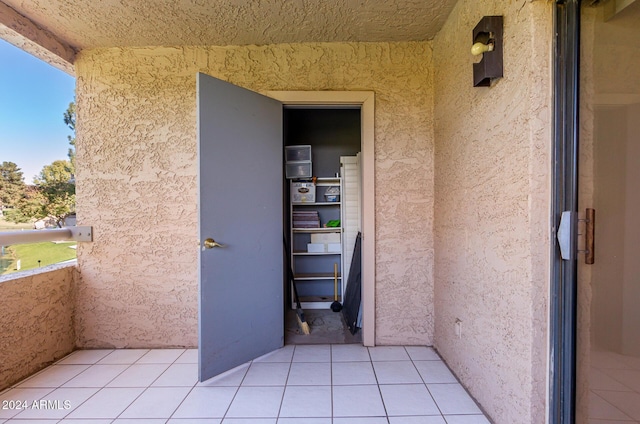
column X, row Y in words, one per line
column 353, row 292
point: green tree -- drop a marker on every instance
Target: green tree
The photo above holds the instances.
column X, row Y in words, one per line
column 28, row 207
column 56, row 186
column 11, row 185
column 69, row 117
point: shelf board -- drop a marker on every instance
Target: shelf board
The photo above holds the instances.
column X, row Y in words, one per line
column 315, row 203
column 318, row 230
column 305, row 253
column 316, row 276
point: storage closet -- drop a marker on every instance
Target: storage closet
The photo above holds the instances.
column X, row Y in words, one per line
column 322, row 194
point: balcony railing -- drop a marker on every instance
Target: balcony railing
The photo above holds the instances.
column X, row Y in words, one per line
column 8, row 238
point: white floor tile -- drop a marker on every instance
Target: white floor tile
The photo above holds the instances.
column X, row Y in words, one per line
column 53, row 376
column 627, row 402
column 312, row 353
column 96, row 376
column 84, row 421
column 85, row 357
column 231, row 378
column 601, row 380
column 360, row 420
column 58, row 404
column 267, row 374
column 19, row 399
column 123, row 356
column 310, row 374
column 357, row 401
column 435, row 372
column 388, row 353
column 284, row 354
column 396, row 372
column 304, row 384
column 190, row 356
column 349, row 353
column 306, row 401
column 422, row 353
column 629, row 378
column 452, row 399
column 185, row 375
column 206, row 402
column 156, row 402
column 433, row 419
column 31, row 421
column 466, row 419
column 601, row 409
column 107, row 403
column 256, row 402
column 138, row 375
column 408, row 399
column 353, row 373
column 161, row 356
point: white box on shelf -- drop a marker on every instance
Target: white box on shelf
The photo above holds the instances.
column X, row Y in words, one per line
column 334, row 247
column 316, row 247
column 325, row 238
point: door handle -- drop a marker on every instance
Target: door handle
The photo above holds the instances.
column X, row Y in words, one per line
column 211, row 243
column 589, row 236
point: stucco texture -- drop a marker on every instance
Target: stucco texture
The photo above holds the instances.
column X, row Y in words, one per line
column 36, row 324
column 137, row 183
column 492, row 161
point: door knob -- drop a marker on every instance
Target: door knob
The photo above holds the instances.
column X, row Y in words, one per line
column 211, row 243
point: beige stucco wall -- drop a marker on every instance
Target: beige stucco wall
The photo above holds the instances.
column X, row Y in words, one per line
column 137, row 184
column 36, row 322
column 492, row 208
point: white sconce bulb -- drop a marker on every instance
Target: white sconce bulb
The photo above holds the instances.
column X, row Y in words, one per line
column 479, row 48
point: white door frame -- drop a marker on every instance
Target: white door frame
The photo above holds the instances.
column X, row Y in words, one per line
column 364, row 99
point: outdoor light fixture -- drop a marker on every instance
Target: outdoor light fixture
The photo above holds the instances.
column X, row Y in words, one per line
column 487, row 41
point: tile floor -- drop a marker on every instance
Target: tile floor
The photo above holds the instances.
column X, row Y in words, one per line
column 614, row 396
column 301, row 384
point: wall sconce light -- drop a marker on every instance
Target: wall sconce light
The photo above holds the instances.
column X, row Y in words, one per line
column 487, row 41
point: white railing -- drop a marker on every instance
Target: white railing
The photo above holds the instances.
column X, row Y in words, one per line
column 8, row 238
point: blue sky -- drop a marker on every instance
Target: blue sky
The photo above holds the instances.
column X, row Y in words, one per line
column 33, row 97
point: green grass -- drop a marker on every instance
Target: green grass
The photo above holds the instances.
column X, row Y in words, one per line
column 29, row 254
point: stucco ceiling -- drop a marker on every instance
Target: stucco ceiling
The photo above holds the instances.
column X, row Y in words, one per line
column 86, row 24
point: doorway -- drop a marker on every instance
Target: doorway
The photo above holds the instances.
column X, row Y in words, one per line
column 322, row 143
column 364, row 102
column 608, row 295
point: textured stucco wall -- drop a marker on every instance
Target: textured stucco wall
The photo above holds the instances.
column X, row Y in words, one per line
column 136, row 143
column 36, row 322
column 492, row 161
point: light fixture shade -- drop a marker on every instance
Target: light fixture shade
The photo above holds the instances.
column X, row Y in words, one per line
column 488, row 32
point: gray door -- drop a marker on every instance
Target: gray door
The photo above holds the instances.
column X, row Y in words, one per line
column 241, row 221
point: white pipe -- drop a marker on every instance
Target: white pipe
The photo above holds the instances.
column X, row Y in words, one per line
column 8, row 238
